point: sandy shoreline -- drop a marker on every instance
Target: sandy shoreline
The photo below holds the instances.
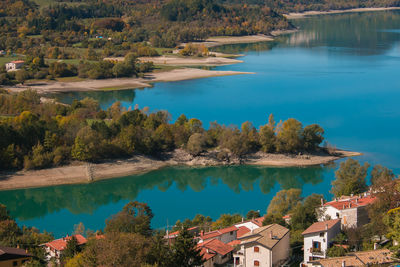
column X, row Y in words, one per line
column 313, row 13
column 123, row 83
column 85, row 173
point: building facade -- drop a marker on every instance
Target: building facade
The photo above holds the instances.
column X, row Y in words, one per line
column 13, row 257
column 318, row 238
column 14, row 65
column 266, row 246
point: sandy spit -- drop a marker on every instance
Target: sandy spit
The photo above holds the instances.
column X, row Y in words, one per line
column 77, row 173
column 123, row 83
column 311, row 13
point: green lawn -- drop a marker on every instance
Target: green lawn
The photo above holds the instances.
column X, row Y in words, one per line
column 6, row 59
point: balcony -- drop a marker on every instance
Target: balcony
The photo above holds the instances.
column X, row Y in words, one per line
column 317, row 251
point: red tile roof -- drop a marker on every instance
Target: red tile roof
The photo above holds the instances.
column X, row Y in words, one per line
column 321, row 226
column 219, row 232
column 287, row 216
column 242, row 231
column 212, row 247
column 61, row 243
column 258, row 221
column 17, row 61
column 175, row 234
column 234, row 243
column 351, row 202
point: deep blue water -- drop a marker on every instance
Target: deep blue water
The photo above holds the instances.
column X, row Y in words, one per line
column 340, row 71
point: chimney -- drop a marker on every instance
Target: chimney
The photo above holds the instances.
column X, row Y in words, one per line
column 343, row 263
column 326, row 227
column 322, row 201
column 242, row 219
column 270, row 235
column 351, row 194
column 375, row 246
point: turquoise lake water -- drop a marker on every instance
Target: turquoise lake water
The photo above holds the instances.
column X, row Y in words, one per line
column 340, row 71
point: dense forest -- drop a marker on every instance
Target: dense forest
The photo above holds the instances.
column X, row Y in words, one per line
column 39, row 135
column 113, row 25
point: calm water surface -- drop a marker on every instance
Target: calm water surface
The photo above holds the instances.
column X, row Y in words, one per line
column 340, row 71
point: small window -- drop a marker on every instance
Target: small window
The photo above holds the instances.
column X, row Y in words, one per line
column 256, row 249
column 337, row 214
column 256, row 263
column 231, row 233
column 321, row 234
column 15, row 263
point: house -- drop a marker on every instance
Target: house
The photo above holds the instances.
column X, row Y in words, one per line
column 10, row 257
column 215, row 252
column 361, row 258
column 3, row 53
column 251, row 224
column 225, row 235
column 171, row 236
column 317, row 239
column 55, row 248
column 265, row 246
column 287, row 218
column 14, row 65
column 352, row 210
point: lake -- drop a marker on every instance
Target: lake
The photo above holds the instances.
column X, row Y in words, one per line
column 340, row 71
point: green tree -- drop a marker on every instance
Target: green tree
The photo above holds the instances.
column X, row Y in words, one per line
column 290, row 136
column 226, row 220
column 196, row 144
column 336, row 251
column 381, row 175
column 252, row 214
column 71, row 249
column 21, row 76
column 284, row 201
column 350, row 178
column 304, row 213
column 185, row 252
column 135, row 217
column 312, row 137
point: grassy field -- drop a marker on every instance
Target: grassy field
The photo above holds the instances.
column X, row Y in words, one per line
column 6, row 59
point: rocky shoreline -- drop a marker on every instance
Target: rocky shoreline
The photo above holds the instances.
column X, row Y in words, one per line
column 79, row 172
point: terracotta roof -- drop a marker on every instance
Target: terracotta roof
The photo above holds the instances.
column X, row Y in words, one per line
column 362, row 258
column 212, row 247
column 61, row 243
column 321, row 226
column 206, row 254
column 267, row 236
column 234, row 243
column 258, row 221
column 175, row 234
column 17, row 61
column 287, row 216
column 242, row 231
column 219, row 232
column 351, row 202
column 7, row 253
